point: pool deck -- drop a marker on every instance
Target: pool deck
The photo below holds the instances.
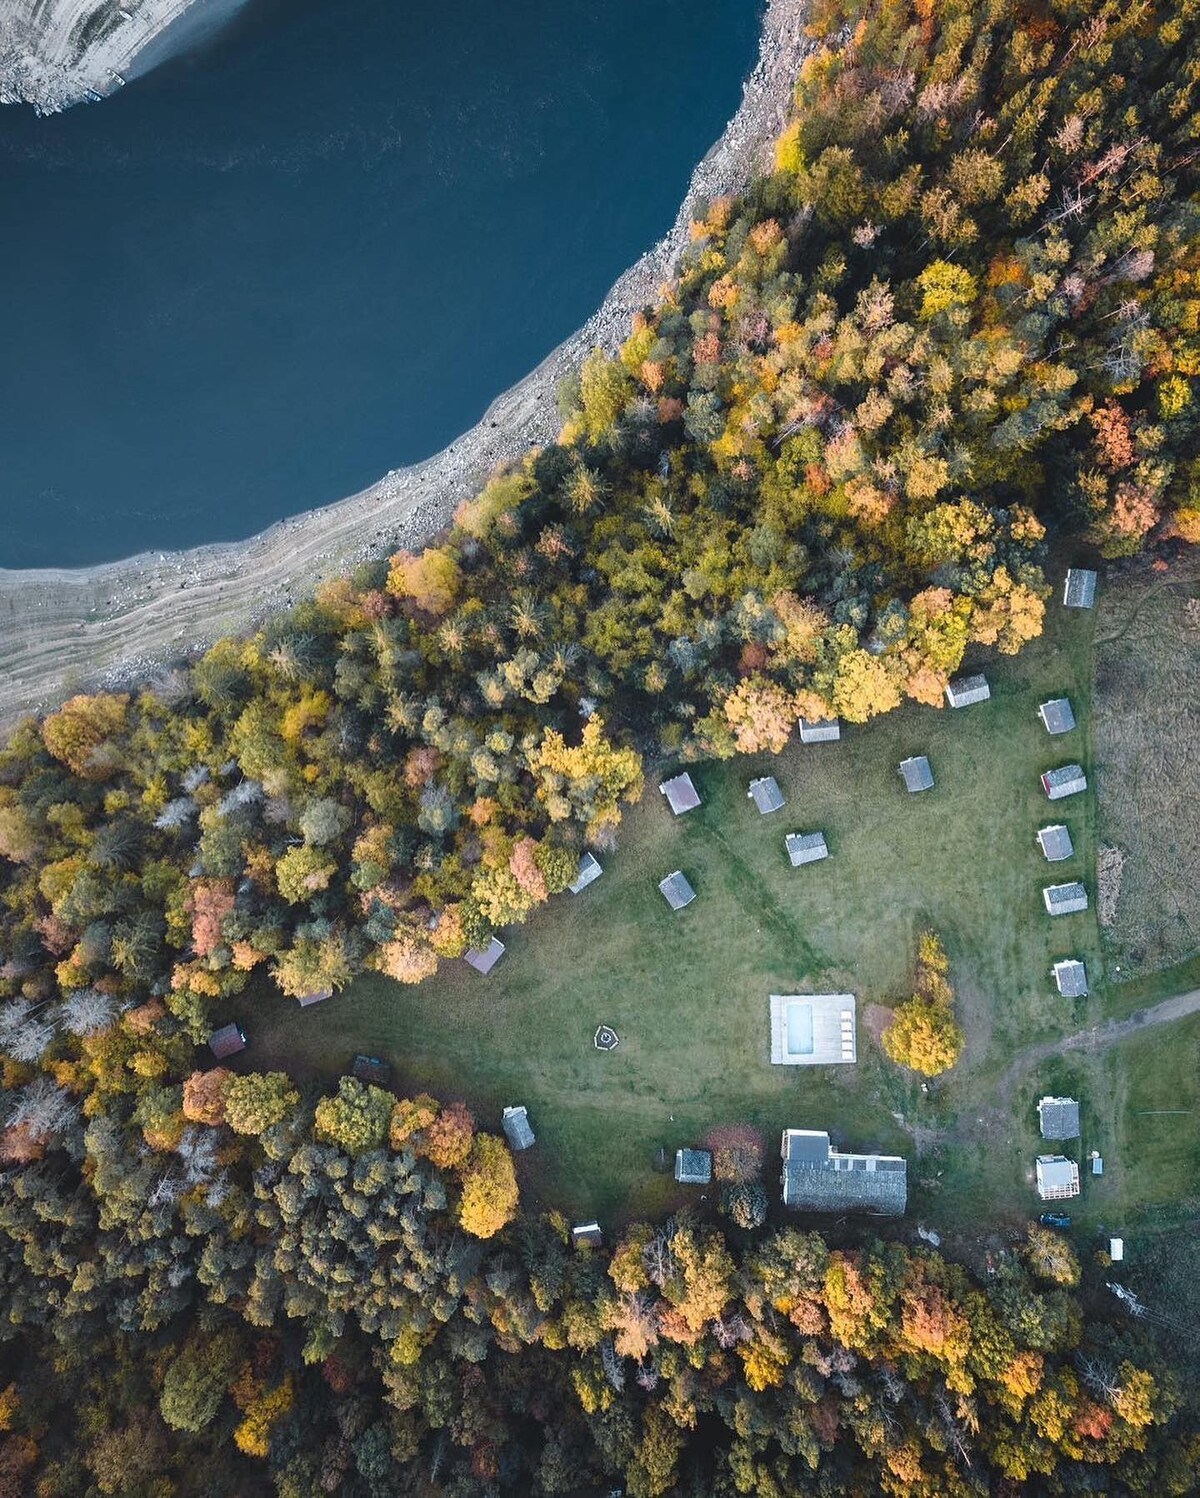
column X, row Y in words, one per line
column 834, row 1041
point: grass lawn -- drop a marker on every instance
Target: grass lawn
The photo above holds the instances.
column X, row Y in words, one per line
column 688, row 992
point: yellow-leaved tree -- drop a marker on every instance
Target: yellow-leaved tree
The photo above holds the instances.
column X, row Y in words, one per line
column 923, row 1034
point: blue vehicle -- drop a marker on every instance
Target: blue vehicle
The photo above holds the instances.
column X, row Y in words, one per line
column 1055, row 1220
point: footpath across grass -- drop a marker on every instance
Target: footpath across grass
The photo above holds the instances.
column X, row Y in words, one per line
column 688, row 992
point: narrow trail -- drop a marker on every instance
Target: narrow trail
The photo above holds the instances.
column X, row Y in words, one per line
column 993, row 1118
column 1100, row 1037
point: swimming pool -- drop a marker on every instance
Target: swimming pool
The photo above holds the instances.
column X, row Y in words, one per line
column 799, row 1029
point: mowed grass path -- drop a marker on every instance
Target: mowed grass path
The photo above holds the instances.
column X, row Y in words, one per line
column 688, row 992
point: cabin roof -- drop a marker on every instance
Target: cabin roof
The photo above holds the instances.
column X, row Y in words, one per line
column 677, row 891
column 765, row 794
column 917, row 774
column 681, row 793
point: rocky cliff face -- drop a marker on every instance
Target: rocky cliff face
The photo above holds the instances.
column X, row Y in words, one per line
column 55, row 53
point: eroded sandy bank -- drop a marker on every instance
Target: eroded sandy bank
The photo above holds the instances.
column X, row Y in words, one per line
column 67, row 630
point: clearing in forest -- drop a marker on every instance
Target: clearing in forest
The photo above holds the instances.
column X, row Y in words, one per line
column 688, row 991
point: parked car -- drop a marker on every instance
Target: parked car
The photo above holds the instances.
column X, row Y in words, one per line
column 1055, row 1220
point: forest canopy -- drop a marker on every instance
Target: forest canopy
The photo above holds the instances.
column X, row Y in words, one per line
column 956, row 320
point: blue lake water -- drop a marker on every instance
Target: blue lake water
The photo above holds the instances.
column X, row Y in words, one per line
column 316, row 246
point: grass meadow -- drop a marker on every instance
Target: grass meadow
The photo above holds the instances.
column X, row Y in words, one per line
column 688, row 992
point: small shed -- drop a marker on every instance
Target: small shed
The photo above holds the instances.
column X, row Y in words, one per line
column 484, row 959
column 589, row 871
column 1070, row 978
column 1067, row 780
column 693, row 1167
column 806, row 847
column 307, row 1000
column 1065, row 899
column 677, row 891
column 1055, row 842
column 766, row 795
column 515, row 1123
column 1057, row 1178
column 227, row 1041
column 1097, row 1164
column 917, row 774
column 587, row 1235
column 1116, row 1249
column 1057, row 715
column 965, row 690
column 372, row 1070
column 681, row 794
column 820, row 730
column 1058, row 1117
column 1079, row 590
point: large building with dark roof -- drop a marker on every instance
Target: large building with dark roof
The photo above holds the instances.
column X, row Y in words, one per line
column 818, row 1178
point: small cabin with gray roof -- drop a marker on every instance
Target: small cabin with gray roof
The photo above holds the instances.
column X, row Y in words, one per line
column 515, row 1122
column 227, row 1041
column 820, row 730
column 1079, row 590
column 693, row 1167
column 806, row 847
column 1055, row 843
column 1070, row 978
column 676, row 890
column 307, row 1000
column 818, row 1178
column 484, row 959
column 965, row 690
column 916, row 774
column 589, row 871
column 1065, row 899
column 766, row 795
column 1067, row 780
column 1058, row 1117
column 1057, row 715
column 681, row 794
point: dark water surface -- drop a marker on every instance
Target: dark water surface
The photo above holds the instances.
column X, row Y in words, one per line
column 315, row 248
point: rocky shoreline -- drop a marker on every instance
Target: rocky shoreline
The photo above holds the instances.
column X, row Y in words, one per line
column 58, row 53
column 112, row 625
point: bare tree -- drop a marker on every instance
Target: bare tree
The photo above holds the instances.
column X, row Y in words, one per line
column 86, row 1011
column 611, row 1362
column 43, row 1108
column 658, row 1256
column 175, row 814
